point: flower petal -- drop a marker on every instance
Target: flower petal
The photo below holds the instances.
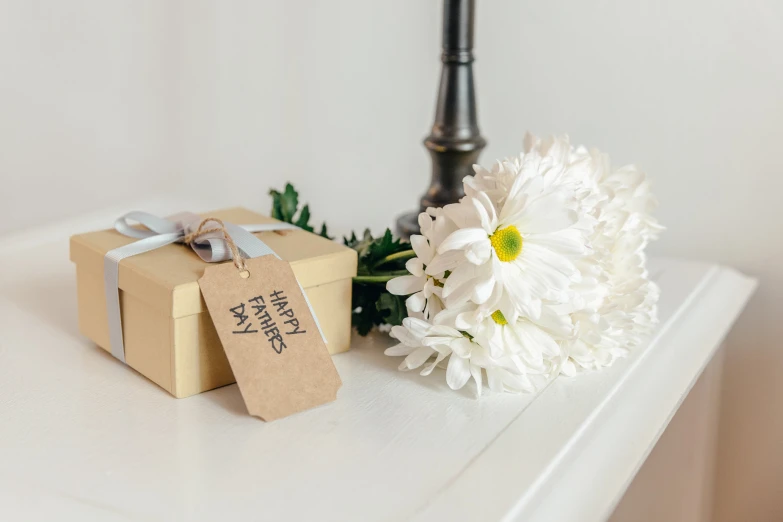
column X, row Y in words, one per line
column 461, row 238
column 405, row 336
column 464, row 216
column 416, row 302
column 418, row 357
column 485, row 211
column 479, row 252
column 458, row 372
column 445, row 261
column 415, row 267
column 417, row 327
column 567, row 242
column 425, row 223
column 461, row 275
column 400, row 349
column 495, row 380
column 462, row 347
column 421, row 246
column 428, row 369
column 548, row 213
column 405, row 285
column 483, row 287
column 475, row 371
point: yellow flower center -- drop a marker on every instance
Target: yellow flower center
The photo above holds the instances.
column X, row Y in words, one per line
column 507, row 243
column 499, row 318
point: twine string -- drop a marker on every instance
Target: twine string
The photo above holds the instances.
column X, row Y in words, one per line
column 236, row 256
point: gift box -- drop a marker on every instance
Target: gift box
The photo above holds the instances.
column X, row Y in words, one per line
column 168, row 334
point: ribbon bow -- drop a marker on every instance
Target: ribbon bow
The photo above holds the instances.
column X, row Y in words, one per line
column 212, row 247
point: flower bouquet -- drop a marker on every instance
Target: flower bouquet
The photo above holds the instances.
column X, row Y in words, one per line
column 539, row 270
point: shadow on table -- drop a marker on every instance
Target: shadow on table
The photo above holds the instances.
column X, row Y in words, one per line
column 228, row 398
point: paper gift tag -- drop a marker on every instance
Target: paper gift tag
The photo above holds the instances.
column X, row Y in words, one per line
column 273, row 345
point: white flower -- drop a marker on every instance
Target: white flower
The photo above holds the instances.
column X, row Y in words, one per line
column 516, row 251
column 533, row 341
column 616, row 310
column 420, row 341
column 539, row 270
column 423, row 288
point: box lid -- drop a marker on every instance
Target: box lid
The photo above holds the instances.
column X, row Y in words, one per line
column 167, row 278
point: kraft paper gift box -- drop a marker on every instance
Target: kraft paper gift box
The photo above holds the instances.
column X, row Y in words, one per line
column 168, row 334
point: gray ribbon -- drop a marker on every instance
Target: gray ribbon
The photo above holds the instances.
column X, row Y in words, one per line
column 161, row 232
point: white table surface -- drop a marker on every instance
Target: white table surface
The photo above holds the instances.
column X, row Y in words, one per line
column 83, row 437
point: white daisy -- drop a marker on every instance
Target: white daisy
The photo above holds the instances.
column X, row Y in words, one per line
column 423, row 288
column 517, row 256
column 420, row 341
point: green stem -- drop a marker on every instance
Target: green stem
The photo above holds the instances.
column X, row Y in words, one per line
column 381, row 278
column 405, row 254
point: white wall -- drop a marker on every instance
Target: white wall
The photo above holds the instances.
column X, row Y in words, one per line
column 333, row 96
column 85, row 114
column 101, row 100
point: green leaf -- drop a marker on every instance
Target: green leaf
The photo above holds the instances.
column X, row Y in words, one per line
column 277, row 210
column 380, row 249
column 289, row 202
column 380, row 259
column 304, row 219
column 365, row 315
column 350, row 241
column 392, row 308
column 284, row 204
